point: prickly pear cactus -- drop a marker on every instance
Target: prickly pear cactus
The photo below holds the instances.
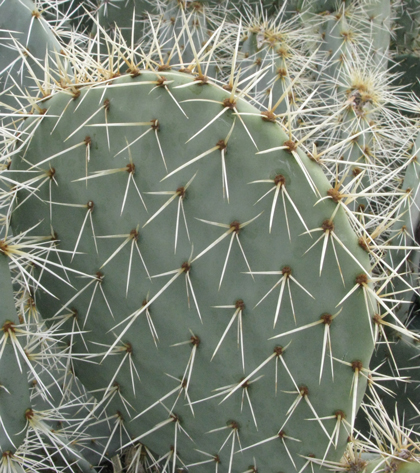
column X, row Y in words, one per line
column 123, row 15
column 14, row 387
column 273, row 53
column 29, row 47
column 224, row 305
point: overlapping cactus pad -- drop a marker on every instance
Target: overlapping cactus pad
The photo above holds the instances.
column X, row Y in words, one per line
column 212, row 273
column 14, row 392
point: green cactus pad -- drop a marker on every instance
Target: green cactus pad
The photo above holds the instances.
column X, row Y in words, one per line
column 14, row 386
column 216, row 281
column 28, row 48
column 274, row 52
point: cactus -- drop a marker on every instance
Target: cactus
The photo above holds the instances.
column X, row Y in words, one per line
column 27, row 53
column 14, row 388
column 123, row 15
column 206, row 291
column 274, row 54
column 213, row 238
column 401, row 360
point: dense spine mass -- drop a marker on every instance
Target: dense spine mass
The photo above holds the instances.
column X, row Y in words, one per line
column 29, row 49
